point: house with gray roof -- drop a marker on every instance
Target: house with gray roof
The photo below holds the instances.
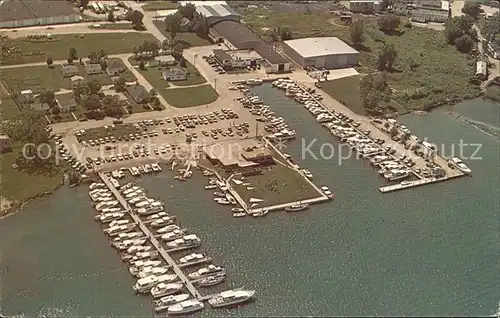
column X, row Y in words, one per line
column 174, row 74
column 69, row 70
column 93, row 68
column 139, row 94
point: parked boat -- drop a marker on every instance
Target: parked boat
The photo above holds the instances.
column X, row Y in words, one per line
column 108, row 217
column 168, row 228
column 231, row 297
column 261, row 213
column 185, row 307
column 237, row 210
column 212, row 280
column 165, row 302
column 166, row 220
column 144, row 285
column 138, row 265
column 150, row 270
column 139, row 248
column 210, row 187
column 239, row 214
column 154, row 207
column 151, row 255
column 222, row 201
column 128, row 243
column 118, row 222
column 219, row 194
column 163, row 289
column 206, row 271
column 127, row 236
column 231, row 199
column 297, row 207
column 156, row 216
column 185, row 242
column 193, row 259
column 175, row 234
column 307, row 173
column 460, row 165
column 116, row 230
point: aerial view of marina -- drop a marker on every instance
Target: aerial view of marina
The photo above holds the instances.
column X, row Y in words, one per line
column 249, row 158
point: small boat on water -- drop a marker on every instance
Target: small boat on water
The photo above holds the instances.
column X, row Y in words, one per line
column 165, row 302
column 118, row 222
column 219, row 194
column 222, row 201
column 168, row 228
column 144, row 285
column 231, row 199
column 150, row 255
column 175, row 234
column 297, row 207
column 163, row 289
column 210, row 187
column 156, row 216
column 231, row 297
column 127, row 236
column 327, row 192
column 212, row 280
column 239, row 214
column 193, row 259
column 139, row 248
column 307, row 173
column 128, row 243
column 138, row 265
column 116, row 230
column 262, row 212
column 206, row 271
column 185, row 307
column 185, row 242
column 167, row 220
column 154, row 207
column 151, row 270
column 237, row 210
column 108, row 217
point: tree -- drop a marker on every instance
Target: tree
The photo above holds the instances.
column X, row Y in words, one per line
column 137, row 50
column 182, row 62
column 388, row 23
column 103, row 64
column 136, row 19
column 473, row 9
column 456, row 27
column 142, row 67
column 72, row 54
column 386, row 57
column 92, row 102
column 356, row 32
column 48, row 97
column 70, row 61
column 285, row 34
column 94, row 87
column 173, row 24
column 49, row 60
column 201, row 27
column 464, row 44
column 56, row 110
column 120, row 83
column 152, row 92
column 93, row 57
column 111, row 105
column 374, row 89
column 187, row 11
column 111, row 16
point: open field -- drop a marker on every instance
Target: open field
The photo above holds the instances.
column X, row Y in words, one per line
column 112, row 43
column 189, row 38
column 346, row 91
column 493, row 92
column 19, row 185
column 36, row 78
column 189, row 96
column 165, row 5
column 280, row 184
column 8, row 108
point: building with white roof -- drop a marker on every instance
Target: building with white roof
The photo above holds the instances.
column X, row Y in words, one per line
column 218, row 12
column 321, row 52
column 202, row 3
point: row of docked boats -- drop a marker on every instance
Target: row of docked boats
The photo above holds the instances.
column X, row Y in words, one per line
column 293, row 90
column 144, row 169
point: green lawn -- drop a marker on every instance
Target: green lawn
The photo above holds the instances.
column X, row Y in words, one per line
column 113, row 26
column 8, row 108
column 36, row 78
column 189, row 96
column 164, row 5
column 19, row 186
column 190, row 38
column 112, row 43
column 346, row 91
column 278, row 185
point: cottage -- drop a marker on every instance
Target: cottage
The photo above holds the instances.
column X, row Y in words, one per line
column 93, row 69
column 66, row 104
column 139, row 94
column 69, row 70
column 42, row 107
column 77, row 81
column 115, row 68
column 166, row 60
column 27, row 96
column 175, row 74
column 481, row 70
column 5, row 144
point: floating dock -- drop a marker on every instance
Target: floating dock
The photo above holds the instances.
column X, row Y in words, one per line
column 170, row 261
column 413, row 184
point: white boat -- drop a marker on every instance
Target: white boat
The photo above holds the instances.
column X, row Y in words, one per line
column 239, row 214
column 96, row 185
column 187, row 241
column 128, row 243
column 139, row 248
column 108, row 217
column 231, row 199
column 206, row 271
column 175, row 234
column 457, row 162
column 222, row 201
column 156, row 216
column 165, row 302
column 150, row 255
column 167, row 220
column 185, row 307
column 231, row 297
column 191, row 257
column 127, row 236
column 147, row 168
column 237, row 210
column 169, row 228
column 297, row 207
column 219, row 194
column 156, row 167
column 210, row 186
column 307, row 173
column 154, row 207
column 144, row 285
column 119, row 222
column 163, row 289
column 115, row 230
column 212, row 280
column 262, row 212
column 150, row 270
column 138, row 265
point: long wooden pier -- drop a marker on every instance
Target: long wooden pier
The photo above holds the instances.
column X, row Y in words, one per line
column 170, row 261
column 412, row 184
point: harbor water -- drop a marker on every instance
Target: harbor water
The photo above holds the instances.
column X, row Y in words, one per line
column 432, row 250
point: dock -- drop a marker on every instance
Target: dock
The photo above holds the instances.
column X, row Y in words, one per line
column 170, row 261
column 413, row 184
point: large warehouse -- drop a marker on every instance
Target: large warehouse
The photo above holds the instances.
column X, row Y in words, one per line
column 321, row 52
column 218, row 12
column 24, row 13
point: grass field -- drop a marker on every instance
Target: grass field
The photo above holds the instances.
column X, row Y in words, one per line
column 190, row 96
column 8, row 108
column 346, row 91
column 19, row 186
column 278, row 185
column 190, row 38
column 112, row 43
column 36, row 78
column 165, row 5
column 113, row 26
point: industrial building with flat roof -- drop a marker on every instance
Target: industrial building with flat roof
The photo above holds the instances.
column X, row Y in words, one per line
column 218, row 12
column 321, row 52
column 25, row 13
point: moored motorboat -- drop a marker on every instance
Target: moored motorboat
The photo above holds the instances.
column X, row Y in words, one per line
column 193, row 259
column 144, row 285
column 116, row 230
column 168, row 228
column 222, row 201
column 150, row 255
column 231, row 297
column 173, row 235
column 237, row 210
column 185, row 307
column 239, row 214
column 206, row 271
column 212, row 280
column 185, row 242
column 261, row 213
column 164, row 221
column 231, row 199
column 164, row 289
column 138, row 265
column 164, row 302
column 150, row 270
column 297, row 207
column 128, row 243
column 210, row 187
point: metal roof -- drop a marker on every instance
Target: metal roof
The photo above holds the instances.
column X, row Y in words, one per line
column 217, row 10
column 320, row 46
column 236, row 33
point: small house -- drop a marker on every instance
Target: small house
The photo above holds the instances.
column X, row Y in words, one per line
column 166, row 60
column 115, row 68
column 77, row 80
column 175, row 74
column 93, row 69
column 5, row 143
column 481, row 70
column 66, row 103
column 27, row 96
column 42, row 107
column 153, row 63
column 69, row 70
column 139, row 94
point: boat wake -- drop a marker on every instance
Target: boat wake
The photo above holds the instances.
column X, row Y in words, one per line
column 487, row 129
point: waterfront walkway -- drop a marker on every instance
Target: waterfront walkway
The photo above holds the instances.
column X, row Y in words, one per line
column 170, row 261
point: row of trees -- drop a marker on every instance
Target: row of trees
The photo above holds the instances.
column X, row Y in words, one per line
column 374, row 91
column 197, row 22
column 459, row 32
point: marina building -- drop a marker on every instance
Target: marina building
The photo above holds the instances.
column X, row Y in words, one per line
column 25, row 13
column 364, row 6
column 321, row 52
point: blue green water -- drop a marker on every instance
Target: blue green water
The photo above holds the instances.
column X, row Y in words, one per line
column 432, row 250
